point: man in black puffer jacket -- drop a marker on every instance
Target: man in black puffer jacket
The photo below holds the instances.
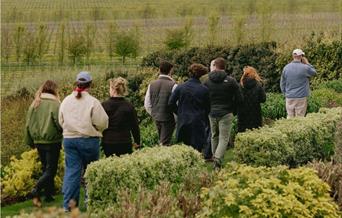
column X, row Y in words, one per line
column 224, row 97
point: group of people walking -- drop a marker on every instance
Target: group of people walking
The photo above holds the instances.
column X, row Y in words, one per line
column 201, row 112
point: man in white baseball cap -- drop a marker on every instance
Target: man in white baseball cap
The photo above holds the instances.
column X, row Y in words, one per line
column 294, row 83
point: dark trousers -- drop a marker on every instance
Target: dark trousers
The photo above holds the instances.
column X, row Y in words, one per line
column 207, row 153
column 165, row 131
column 48, row 155
column 117, row 149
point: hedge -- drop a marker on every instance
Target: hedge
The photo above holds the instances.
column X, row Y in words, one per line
column 21, row 174
column 290, row 142
column 263, row 56
column 145, row 168
column 245, row 191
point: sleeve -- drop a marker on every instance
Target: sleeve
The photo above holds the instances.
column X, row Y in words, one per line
column 135, row 126
column 147, row 102
column 99, row 117
column 262, row 94
column 28, row 138
column 283, row 82
column 173, row 100
column 207, row 102
column 60, row 115
column 55, row 117
column 237, row 96
column 311, row 70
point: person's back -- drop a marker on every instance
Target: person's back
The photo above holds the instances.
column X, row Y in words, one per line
column 294, row 83
column 160, row 92
column 223, row 90
column 78, row 116
column 156, row 102
column 297, row 77
column 253, row 94
column 123, row 121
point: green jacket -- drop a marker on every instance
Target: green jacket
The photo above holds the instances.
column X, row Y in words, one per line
column 42, row 126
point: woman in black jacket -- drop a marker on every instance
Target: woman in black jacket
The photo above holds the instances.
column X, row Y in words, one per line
column 249, row 110
column 123, row 121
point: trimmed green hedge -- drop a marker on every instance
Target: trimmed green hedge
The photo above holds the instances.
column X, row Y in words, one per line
column 146, row 168
column 262, row 56
column 290, row 142
column 245, row 191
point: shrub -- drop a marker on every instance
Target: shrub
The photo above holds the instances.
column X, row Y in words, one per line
column 127, row 45
column 327, row 97
column 21, row 175
column 291, row 142
column 275, row 108
column 165, row 200
column 332, row 174
column 245, row 191
column 336, row 85
column 262, row 56
column 146, row 168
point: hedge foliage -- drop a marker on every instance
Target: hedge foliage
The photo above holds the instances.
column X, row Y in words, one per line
column 331, row 173
column 245, row 191
column 145, row 168
column 263, row 56
column 324, row 55
column 290, row 142
column 21, row 174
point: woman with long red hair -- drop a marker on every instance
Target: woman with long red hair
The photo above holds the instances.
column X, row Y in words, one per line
column 249, row 110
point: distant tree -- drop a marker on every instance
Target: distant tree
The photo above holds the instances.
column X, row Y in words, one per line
column 111, row 38
column 42, row 41
column 179, row 38
column 127, row 45
column 18, row 41
column 30, row 48
column 89, row 33
column 6, row 44
column 77, row 47
column 213, row 21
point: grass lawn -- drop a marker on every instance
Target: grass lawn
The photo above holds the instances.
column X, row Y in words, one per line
column 27, row 206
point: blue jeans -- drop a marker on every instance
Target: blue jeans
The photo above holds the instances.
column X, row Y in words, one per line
column 79, row 152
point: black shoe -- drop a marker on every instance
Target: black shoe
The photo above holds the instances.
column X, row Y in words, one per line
column 49, row 199
column 217, row 165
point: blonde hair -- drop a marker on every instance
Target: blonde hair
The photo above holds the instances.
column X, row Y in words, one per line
column 119, row 86
column 250, row 72
column 48, row 86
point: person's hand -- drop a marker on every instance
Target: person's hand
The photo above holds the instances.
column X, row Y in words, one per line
column 305, row 60
column 136, row 146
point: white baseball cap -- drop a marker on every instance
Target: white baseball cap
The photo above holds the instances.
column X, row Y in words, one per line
column 298, row 52
column 83, row 77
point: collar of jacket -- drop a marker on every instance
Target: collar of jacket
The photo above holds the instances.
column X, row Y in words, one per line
column 165, row 77
column 194, row 80
column 48, row 96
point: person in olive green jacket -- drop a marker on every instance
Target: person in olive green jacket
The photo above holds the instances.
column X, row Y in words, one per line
column 44, row 133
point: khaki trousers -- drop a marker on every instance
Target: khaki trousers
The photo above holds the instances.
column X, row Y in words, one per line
column 296, row 107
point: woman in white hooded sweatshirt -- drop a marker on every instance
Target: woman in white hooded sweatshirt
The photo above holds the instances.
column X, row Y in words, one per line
column 83, row 119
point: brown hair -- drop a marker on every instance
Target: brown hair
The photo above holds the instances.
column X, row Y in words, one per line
column 81, row 87
column 48, row 86
column 197, row 70
column 250, row 72
column 165, row 67
column 220, row 63
column 119, row 85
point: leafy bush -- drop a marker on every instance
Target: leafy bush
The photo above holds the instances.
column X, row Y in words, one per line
column 263, row 56
column 326, row 56
column 127, row 45
column 146, row 168
column 275, row 108
column 21, row 175
column 290, row 141
column 245, row 191
column 332, row 174
column 327, row 97
column 165, row 200
column 52, row 212
column 333, row 84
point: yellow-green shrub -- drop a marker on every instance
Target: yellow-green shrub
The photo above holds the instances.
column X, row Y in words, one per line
column 245, row 191
column 21, row 174
column 145, row 168
column 290, row 142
